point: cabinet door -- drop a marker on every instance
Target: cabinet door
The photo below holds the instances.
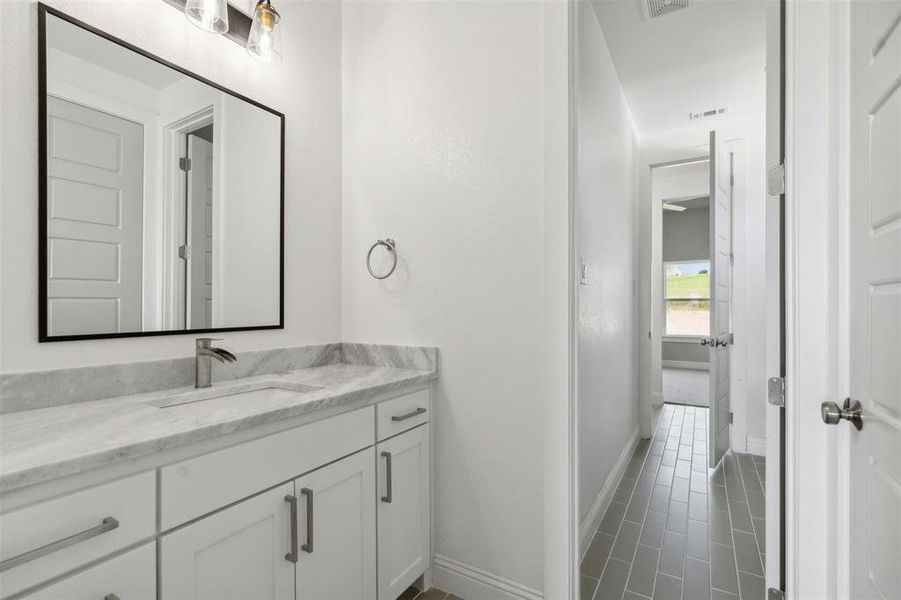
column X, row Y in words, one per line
column 336, row 526
column 238, row 553
column 404, row 510
column 131, row 576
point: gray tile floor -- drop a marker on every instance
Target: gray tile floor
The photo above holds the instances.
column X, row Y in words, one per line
column 676, row 530
column 413, row 593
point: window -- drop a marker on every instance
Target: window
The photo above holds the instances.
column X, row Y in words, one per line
column 687, row 297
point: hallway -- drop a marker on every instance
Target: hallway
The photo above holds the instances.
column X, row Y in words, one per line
column 676, row 530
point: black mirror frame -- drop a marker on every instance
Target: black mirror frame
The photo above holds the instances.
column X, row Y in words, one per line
column 43, row 335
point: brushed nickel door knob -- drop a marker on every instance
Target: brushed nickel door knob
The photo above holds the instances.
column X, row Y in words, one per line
column 851, row 411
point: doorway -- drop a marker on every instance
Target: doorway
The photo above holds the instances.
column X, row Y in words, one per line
column 688, row 505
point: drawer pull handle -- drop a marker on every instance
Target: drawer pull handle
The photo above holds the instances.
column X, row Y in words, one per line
column 111, row 597
column 387, row 497
column 308, row 547
column 409, row 415
column 292, row 502
column 108, row 524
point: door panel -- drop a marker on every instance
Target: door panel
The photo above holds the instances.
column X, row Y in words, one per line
column 94, row 221
column 720, row 299
column 875, row 298
column 235, row 554
column 339, row 562
column 404, row 521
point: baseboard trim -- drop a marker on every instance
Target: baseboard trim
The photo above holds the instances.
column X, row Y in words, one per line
column 592, row 520
column 686, row 364
column 756, row 445
column 469, row 582
column 656, row 398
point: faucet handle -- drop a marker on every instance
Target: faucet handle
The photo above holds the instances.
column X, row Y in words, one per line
column 204, row 342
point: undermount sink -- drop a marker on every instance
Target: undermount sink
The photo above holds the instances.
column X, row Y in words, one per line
column 262, row 391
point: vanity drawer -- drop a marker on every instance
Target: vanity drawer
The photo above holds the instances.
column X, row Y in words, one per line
column 131, row 576
column 50, row 538
column 403, row 413
column 198, row 486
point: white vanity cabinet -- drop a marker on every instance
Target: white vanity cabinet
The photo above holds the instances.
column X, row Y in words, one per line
column 404, row 519
column 337, row 508
column 237, row 553
column 336, row 530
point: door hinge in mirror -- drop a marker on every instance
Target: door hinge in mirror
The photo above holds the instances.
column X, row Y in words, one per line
column 184, row 164
column 775, row 389
column 731, row 417
column 775, row 180
column 184, row 252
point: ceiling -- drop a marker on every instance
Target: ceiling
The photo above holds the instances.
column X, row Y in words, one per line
column 707, row 56
column 73, row 40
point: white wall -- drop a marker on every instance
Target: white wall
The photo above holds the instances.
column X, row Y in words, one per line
column 246, row 251
column 607, row 194
column 443, row 151
column 306, row 87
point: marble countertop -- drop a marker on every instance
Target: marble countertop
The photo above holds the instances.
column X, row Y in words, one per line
column 43, row 444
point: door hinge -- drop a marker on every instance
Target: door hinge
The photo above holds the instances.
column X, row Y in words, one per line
column 184, row 164
column 731, row 416
column 775, row 389
column 184, row 252
column 774, row 594
column 732, row 258
column 775, row 180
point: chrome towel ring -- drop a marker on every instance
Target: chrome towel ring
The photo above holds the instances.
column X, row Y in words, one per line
column 392, row 248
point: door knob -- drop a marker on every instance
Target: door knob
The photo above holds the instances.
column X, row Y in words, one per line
column 851, row 411
column 707, row 341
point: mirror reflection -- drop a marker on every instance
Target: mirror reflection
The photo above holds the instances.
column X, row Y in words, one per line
column 163, row 200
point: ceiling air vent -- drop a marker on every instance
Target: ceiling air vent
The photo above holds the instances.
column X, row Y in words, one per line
column 706, row 114
column 658, row 8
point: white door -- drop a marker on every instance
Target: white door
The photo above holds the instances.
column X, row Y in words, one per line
column 404, row 518
column 336, row 528
column 131, row 576
column 720, row 299
column 875, row 299
column 95, row 178
column 236, row 554
column 200, row 234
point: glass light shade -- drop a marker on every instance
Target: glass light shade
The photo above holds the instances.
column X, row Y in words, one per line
column 209, row 15
column 264, row 42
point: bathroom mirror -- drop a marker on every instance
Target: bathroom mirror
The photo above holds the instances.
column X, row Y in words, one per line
column 161, row 194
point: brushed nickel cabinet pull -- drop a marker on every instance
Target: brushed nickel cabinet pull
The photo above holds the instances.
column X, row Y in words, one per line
column 387, row 497
column 409, row 415
column 308, row 547
column 292, row 555
column 108, row 524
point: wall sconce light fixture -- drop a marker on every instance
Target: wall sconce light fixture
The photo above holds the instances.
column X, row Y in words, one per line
column 264, row 42
column 209, row 15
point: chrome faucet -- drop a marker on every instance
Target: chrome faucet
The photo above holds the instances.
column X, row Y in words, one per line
column 203, row 352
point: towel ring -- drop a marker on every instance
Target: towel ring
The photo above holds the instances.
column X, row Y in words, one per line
column 392, row 248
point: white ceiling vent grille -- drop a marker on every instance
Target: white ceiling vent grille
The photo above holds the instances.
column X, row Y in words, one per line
column 658, row 8
column 706, row 114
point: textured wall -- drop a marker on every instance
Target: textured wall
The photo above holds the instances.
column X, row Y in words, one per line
column 607, row 190
column 443, row 152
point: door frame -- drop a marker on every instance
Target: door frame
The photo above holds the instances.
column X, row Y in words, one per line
column 816, row 296
column 561, row 485
column 174, row 214
column 654, row 303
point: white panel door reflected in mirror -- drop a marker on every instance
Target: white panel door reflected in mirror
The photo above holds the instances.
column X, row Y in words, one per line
column 162, row 206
